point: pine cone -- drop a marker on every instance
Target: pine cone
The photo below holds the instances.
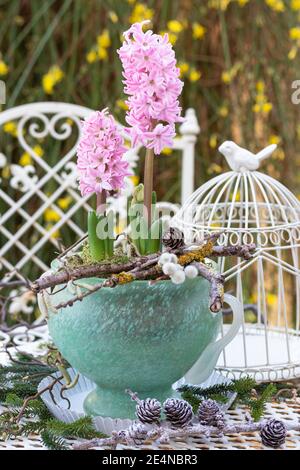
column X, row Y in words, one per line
column 273, row 433
column 178, row 412
column 209, row 412
column 173, row 238
column 148, row 411
column 137, row 432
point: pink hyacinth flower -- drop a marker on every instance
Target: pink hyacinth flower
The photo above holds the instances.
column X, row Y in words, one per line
column 153, row 85
column 100, row 152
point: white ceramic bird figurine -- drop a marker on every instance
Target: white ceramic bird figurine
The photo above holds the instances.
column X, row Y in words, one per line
column 240, row 159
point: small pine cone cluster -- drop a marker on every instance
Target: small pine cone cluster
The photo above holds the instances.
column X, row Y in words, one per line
column 148, row 411
column 137, row 432
column 173, row 238
column 209, row 413
column 178, row 412
column 273, row 433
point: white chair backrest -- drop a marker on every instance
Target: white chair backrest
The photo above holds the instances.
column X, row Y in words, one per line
column 28, row 185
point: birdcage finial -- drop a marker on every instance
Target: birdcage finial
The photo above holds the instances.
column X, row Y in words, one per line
column 240, row 159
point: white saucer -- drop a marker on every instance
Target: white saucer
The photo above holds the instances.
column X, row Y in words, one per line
column 77, row 395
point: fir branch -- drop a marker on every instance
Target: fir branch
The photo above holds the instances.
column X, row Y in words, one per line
column 53, row 442
column 258, row 405
column 241, row 386
column 82, row 428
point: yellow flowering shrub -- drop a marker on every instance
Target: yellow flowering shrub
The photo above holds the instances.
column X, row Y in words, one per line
column 10, row 127
column 141, row 12
column 276, row 5
column 3, row 68
column 295, row 33
column 51, row 78
column 198, row 31
column 91, row 56
column 228, row 75
column 262, row 105
column 103, row 40
column 194, row 75
column 219, row 4
column 64, row 202
column 26, row 158
column 184, row 68
column 175, row 26
column 50, row 215
column 295, row 5
column 100, row 50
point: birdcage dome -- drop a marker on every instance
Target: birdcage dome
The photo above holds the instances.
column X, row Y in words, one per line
column 252, row 207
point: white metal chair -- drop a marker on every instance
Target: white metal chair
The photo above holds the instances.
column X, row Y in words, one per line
column 34, row 123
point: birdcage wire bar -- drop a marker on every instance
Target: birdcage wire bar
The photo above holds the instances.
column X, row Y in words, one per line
column 252, row 207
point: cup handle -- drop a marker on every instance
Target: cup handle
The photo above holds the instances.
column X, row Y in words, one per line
column 204, row 366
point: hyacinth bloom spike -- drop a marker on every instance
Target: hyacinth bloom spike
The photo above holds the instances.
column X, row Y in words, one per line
column 153, row 85
column 100, row 162
column 101, row 168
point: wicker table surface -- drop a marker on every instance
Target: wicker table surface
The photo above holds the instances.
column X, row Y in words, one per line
column 289, row 410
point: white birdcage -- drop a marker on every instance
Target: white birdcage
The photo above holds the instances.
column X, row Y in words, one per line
column 252, row 207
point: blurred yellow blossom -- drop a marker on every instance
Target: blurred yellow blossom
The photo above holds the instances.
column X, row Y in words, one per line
column 295, row 33
column 228, row 75
column 122, row 104
column 272, row 299
column 51, row 78
column 242, row 3
column 266, row 108
column 276, row 5
column 10, row 127
column 113, row 16
column 102, row 53
column 55, row 234
column 295, row 5
column 6, row 172
column 194, row 75
column 50, row 215
column 26, row 158
column 175, row 26
column 274, row 139
column 213, row 141
column 262, row 105
column 219, row 4
column 198, row 31
column 214, row 168
column 3, row 68
column 166, row 151
column 64, row 202
column 293, row 53
column 260, row 86
column 184, row 68
column 91, row 56
column 99, row 51
column 135, row 179
column 103, row 40
column 172, row 37
column 223, row 111
column 140, row 13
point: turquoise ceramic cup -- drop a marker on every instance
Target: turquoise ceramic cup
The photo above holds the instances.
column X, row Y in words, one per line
column 139, row 337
